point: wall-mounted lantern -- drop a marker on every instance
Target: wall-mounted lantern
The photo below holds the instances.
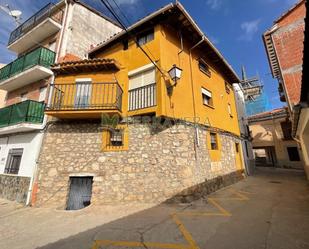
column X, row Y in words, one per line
column 175, row 73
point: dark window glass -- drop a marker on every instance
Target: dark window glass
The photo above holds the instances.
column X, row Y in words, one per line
column 293, row 154
column 237, row 147
column 125, row 44
column 286, row 130
column 116, row 138
column 204, row 68
column 145, row 37
column 213, row 141
column 13, row 161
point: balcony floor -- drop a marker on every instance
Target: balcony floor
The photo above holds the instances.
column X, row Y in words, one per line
column 35, row 35
column 21, row 127
column 82, row 114
column 31, row 75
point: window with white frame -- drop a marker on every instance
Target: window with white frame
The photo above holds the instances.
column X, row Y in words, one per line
column 142, row 88
column 207, row 97
column 83, row 93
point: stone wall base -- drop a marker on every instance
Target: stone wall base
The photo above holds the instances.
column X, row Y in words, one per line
column 208, row 186
column 14, row 188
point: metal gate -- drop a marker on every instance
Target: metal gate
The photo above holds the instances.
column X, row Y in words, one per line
column 80, row 192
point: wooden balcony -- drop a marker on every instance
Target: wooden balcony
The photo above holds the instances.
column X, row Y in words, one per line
column 84, row 100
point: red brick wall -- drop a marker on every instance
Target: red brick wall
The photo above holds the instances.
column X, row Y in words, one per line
column 33, row 92
column 288, row 41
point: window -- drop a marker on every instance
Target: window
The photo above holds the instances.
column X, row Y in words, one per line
column 83, row 93
column 207, row 97
column 125, row 44
column 293, row 154
column 42, row 96
column 142, row 88
column 145, row 37
column 204, row 68
column 23, row 96
column 13, row 161
column 229, row 109
column 286, row 128
column 237, row 147
column 116, row 137
column 213, row 141
column 227, row 88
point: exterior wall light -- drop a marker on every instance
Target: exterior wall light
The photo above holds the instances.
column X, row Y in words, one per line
column 175, row 73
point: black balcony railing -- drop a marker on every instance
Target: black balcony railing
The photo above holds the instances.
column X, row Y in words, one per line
column 28, row 111
column 44, row 13
column 85, row 96
column 142, row 97
column 40, row 56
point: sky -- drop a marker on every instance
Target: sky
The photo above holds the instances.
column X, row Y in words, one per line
column 234, row 26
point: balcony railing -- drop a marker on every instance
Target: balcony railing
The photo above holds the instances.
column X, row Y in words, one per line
column 28, row 111
column 40, row 56
column 85, row 96
column 142, row 97
column 44, row 13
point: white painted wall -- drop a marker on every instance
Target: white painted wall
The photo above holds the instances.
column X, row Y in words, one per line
column 248, row 155
column 30, row 142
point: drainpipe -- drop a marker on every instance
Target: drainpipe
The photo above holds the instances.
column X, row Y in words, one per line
column 33, row 187
column 196, row 141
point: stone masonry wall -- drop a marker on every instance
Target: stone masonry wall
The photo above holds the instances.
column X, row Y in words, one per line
column 14, row 188
column 158, row 165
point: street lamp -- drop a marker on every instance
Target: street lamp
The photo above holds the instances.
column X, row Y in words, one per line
column 175, row 73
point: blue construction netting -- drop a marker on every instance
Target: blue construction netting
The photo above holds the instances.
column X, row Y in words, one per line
column 260, row 104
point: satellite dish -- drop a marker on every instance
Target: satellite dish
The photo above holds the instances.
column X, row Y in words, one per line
column 16, row 13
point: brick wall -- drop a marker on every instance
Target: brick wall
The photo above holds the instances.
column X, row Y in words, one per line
column 288, row 41
column 32, row 90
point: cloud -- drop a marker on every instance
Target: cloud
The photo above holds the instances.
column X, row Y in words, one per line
column 250, row 28
column 214, row 4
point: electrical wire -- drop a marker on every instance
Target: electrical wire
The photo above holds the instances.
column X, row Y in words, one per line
column 128, row 21
column 118, row 19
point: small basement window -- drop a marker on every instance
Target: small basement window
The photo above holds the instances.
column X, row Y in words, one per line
column 145, row 37
column 213, row 141
column 116, row 137
column 207, row 97
column 204, row 68
column 293, row 154
column 237, row 147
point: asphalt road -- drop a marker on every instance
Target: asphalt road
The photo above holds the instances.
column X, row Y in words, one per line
column 267, row 211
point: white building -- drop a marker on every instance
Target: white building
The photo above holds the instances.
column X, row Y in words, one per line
column 65, row 30
column 248, row 156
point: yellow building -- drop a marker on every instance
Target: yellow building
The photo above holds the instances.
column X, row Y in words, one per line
column 172, row 135
column 272, row 143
